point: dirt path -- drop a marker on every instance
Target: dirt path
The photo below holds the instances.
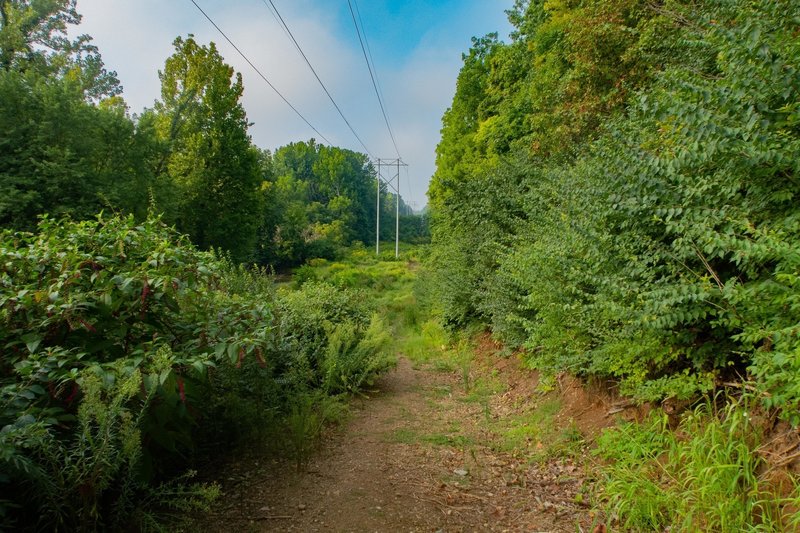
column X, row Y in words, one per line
column 420, row 454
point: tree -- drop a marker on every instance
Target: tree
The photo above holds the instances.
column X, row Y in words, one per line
column 67, row 146
column 207, row 153
column 34, row 38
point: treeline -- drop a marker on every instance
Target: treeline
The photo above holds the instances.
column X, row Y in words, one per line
column 71, row 148
column 321, row 199
column 616, row 192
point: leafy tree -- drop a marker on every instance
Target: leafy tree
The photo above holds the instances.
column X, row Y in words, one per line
column 34, row 38
column 68, row 145
column 207, row 154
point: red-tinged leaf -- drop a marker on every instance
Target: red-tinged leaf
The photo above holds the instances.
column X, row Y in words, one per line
column 73, row 394
column 260, row 357
column 181, row 390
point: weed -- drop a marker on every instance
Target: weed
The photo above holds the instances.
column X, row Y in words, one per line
column 449, row 438
column 484, row 388
column 307, row 415
column 404, row 436
column 534, row 430
column 442, row 391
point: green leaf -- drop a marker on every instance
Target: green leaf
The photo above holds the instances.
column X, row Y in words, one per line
column 32, row 341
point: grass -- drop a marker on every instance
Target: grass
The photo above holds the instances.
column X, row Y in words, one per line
column 410, row 436
column 703, row 477
column 483, row 388
column 530, row 433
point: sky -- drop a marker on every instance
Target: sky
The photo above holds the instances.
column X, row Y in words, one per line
column 416, row 46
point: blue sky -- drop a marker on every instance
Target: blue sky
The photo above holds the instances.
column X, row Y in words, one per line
column 416, row 45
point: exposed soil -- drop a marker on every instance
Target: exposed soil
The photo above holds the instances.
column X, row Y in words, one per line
column 425, row 453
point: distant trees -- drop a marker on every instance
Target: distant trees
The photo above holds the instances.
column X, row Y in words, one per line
column 327, row 196
column 68, row 146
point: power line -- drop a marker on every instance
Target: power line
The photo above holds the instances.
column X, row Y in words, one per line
column 275, row 16
column 372, row 76
column 260, row 74
column 372, row 60
column 300, row 49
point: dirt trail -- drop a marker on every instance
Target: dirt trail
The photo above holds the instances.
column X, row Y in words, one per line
column 415, row 456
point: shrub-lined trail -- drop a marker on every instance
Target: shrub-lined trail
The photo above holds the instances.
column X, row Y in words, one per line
column 615, row 202
column 367, row 414
column 418, row 455
column 462, row 436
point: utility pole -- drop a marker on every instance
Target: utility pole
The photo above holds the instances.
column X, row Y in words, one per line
column 392, row 182
column 397, row 216
column 378, row 213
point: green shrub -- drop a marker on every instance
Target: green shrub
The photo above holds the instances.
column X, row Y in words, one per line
column 303, row 274
column 353, row 358
column 317, row 262
column 114, row 299
column 305, row 318
column 91, row 479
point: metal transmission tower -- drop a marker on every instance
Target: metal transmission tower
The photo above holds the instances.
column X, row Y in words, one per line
column 392, row 181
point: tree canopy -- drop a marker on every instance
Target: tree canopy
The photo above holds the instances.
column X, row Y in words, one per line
column 616, row 192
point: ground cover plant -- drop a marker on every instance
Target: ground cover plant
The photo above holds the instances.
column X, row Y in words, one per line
column 708, row 475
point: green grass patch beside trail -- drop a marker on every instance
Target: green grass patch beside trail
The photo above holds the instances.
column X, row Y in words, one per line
column 707, row 475
column 411, row 436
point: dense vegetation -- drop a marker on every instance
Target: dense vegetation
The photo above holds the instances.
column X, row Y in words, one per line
column 134, row 345
column 130, row 355
column 616, row 192
column 616, row 195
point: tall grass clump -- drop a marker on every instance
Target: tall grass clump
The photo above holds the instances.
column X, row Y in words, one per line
column 705, row 476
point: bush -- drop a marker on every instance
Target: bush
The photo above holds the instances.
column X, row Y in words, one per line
column 306, row 319
column 353, row 358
